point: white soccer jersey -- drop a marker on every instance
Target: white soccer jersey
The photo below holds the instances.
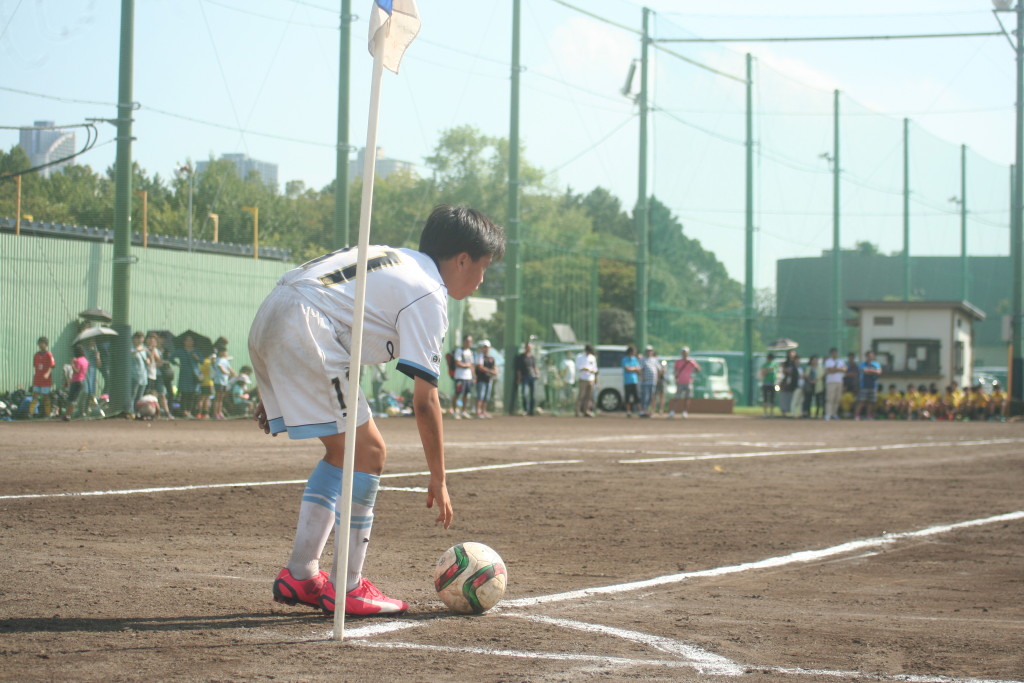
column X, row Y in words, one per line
column 406, row 304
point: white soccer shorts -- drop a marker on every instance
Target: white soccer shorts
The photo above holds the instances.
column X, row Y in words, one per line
column 301, row 366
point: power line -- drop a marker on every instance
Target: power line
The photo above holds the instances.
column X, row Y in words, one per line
column 791, row 39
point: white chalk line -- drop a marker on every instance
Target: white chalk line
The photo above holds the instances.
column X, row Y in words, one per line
column 693, row 657
column 677, row 457
column 799, row 557
column 198, row 487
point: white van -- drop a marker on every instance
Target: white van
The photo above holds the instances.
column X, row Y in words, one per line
column 711, row 382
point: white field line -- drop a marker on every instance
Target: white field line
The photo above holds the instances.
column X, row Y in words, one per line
column 802, row 556
column 197, row 487
column 604, row 660
column 703, row 661
column 676, row 457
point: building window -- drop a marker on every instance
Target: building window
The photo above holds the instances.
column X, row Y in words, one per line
column 908, row 356
column 883, row 320
column 958, row 358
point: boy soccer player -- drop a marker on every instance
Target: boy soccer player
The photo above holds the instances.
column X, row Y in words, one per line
column 299, row 345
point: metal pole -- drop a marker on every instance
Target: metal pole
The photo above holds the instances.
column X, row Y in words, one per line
column 906, row 209
column 595, row 298
column 120, row 395
column 341, row 179
column 748, row 285
column 641, row 213
column 965, row 288
column 837, row 254
column 1017, row 224
column 513, row 249
column 17, row 205
column 191, row 189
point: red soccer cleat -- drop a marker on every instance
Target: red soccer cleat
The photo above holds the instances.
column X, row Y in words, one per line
column 362, row 601
column 291, row 591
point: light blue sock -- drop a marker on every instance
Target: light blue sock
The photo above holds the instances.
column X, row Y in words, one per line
column 316, row 518
column 364, row 496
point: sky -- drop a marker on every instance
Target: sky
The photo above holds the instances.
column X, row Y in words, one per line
column 260, row 77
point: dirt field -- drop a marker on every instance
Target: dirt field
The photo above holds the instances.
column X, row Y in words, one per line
column 708, row 549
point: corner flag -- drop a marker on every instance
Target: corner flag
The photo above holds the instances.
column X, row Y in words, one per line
column 396, row 23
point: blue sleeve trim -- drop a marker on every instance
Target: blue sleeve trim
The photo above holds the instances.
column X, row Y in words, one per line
column 414, row 370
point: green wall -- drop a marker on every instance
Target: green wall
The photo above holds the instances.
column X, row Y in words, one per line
column 46, row 282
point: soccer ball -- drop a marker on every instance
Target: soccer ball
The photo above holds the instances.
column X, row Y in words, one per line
column 147, row 406
column 470, row 578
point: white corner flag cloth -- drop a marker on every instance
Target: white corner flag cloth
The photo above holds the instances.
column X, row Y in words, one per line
column 396, row 22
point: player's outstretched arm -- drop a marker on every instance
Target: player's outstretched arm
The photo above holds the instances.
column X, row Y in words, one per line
column 427, row 408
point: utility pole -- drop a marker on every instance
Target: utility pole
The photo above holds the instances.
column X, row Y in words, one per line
column 341, row 161
column 642, row 203
column 837, row 253
column 906, row 209
column 513, row 254
column 748, row 285
column 1017, row 225
column 120, row 396
column 965, row 286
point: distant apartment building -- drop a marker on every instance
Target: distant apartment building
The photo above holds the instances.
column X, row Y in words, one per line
column 266, row 171
column 383, row 168
column 43, row 143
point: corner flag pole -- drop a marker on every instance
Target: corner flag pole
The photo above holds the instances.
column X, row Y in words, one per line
column 341, row 532
column 393, row 25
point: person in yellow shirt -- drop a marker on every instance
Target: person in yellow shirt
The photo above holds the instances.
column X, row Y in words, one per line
column 206, row 388
column 909, row 409
column 996, row 404
column 977, row 404
column 846, row 403
column 890, row 404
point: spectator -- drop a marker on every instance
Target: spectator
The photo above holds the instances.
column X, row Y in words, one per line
column 138, row 377
column 684, row 369
column 835, row 369
column 79, row 371
column 223, row 373
column 154, row 364
column 870, row 371
column 241, row 402
column 651, row 374
column 486, row 375
column 813, row 378
column 464, row 379
column 790, row 382
column 659, row 388
column 188, row 361
column 586, row 376
column 851, row 379
column 42, row 378
column 631, row 380
column 526, row 377
column 769, row 385
column 567, row 375
column 207, row 390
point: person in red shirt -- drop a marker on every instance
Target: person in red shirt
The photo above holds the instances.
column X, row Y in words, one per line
column 684, row 369
column 79, row 370
column 42, row 377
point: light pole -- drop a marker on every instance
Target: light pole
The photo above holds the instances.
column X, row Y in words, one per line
column 255, row 211
column 187, row 168
column 1017, row 195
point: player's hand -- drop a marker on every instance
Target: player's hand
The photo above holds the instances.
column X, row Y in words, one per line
column 438, row 492
column 261, row 418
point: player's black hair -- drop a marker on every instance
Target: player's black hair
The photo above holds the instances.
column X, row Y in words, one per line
column 77, row 351
column 43, row 340
column 451, row 230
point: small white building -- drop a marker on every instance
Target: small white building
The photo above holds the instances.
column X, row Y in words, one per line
column 919, row 341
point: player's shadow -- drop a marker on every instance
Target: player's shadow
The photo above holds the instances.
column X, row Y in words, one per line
column 177, row 623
